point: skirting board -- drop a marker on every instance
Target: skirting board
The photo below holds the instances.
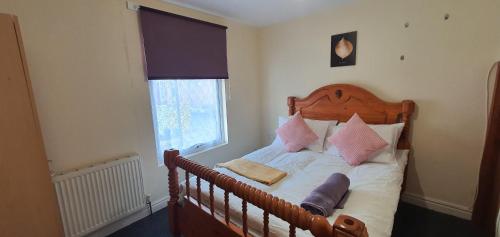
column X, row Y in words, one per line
column 437, row 205
column 120, row 224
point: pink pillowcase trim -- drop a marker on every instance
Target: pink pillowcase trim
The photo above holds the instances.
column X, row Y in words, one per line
column 356, row 141
column 295, row 134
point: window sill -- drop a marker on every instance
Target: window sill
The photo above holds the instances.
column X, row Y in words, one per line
column 189, row 156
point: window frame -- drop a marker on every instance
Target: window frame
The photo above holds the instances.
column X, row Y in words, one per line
column 197, row 148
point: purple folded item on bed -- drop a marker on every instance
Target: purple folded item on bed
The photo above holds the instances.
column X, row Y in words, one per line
column 323, row 199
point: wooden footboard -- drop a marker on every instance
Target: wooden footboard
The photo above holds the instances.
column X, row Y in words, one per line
column 193, row 218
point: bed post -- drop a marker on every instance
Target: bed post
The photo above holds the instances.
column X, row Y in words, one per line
column 407, row 111
column 350, row 225
column 170, row 157
column 404, row 140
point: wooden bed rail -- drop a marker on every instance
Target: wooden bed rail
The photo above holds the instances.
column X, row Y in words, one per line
column 297, row 217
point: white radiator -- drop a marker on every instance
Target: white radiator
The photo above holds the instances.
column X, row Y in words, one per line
column 95, row 196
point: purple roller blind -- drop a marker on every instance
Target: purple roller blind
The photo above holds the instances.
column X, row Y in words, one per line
column 179, row 47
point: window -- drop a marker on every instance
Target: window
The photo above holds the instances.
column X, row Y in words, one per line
column 186, row 60
column 188, row 115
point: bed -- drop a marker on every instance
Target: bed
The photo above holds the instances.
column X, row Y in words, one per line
column 218, row 202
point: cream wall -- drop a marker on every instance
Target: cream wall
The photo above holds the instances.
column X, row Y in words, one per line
column 444, row 73
column 89, row 85
column 93, row 100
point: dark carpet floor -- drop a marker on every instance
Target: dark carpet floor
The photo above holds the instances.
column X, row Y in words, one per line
column 409, row 221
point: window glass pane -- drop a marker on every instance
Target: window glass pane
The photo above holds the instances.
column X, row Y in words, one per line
column 186, row 114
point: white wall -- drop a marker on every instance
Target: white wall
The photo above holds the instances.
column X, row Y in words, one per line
column 444, row 73
column 92, row 97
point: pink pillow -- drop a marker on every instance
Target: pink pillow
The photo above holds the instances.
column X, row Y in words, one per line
column 295, row 134
column 356, row 141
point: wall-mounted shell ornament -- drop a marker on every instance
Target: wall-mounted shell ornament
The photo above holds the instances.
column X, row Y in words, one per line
column 343, row 48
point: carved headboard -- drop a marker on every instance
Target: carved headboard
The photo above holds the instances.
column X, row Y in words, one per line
column 341, row 101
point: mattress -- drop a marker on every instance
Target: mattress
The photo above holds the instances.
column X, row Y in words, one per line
column 373, row 198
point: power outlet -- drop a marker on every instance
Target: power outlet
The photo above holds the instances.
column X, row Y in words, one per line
column 148, row 198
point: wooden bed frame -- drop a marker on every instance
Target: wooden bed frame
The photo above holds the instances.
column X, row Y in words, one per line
column 333, row 102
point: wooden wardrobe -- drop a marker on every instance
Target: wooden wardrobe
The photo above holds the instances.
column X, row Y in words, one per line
column 28, row 205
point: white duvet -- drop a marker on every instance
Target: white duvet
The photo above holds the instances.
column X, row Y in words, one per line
column 373, row 198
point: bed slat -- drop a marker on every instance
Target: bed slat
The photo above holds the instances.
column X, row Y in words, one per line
column 226, row 206
column 244, row 212
column 198, row 189
column 187, row 184
column 266, row 224
column 292, row 231
column 212, row 211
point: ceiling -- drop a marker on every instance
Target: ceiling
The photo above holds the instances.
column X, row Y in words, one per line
column 259, row 12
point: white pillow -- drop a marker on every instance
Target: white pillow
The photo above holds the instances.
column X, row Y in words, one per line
column 389, row 132
column 319, row 127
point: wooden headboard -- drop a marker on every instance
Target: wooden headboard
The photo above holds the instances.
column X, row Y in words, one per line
column 341, row 101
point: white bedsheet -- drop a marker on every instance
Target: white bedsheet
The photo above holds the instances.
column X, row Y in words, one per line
column 373, row 198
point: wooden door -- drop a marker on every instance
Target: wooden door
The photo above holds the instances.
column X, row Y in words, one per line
column 488, row 199
column 28, row 205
